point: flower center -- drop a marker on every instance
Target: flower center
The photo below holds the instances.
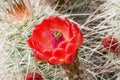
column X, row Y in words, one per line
column 56, row 37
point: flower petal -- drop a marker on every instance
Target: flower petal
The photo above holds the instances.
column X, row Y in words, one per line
column 41, row 37
column 67, row 22
column 55, row 61
column 69, row 59
column 70, row 48
column 30, row 42
column 38, row 48
column 39, row 56
column 63, row 44
column 59, row 53
column 78, row 35
column 47, row 54
column 54, row 22
column 75, row 28
column 70, row 32
column 73, row 39
column 80, row 39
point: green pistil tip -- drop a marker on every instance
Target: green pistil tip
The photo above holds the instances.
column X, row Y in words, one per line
column 57, row 34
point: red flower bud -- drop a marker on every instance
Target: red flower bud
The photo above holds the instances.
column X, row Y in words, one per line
column 55, row 40
column 33, row 76
column 110, row 43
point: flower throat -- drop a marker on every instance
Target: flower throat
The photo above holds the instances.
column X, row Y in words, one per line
column 56, row 37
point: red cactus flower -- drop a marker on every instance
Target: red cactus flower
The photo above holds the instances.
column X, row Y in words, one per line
column 33, row 76
column 55, row 40
column 110, row 43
